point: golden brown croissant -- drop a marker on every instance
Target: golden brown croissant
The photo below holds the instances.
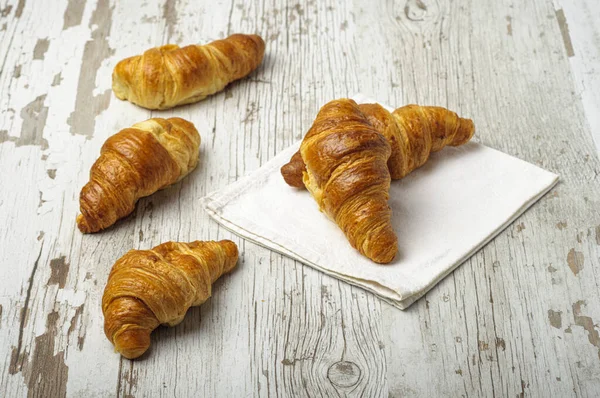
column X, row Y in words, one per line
column 134, row 163
column 167, row 76
column 347, row 174
column 413, row 132
column 147, row 288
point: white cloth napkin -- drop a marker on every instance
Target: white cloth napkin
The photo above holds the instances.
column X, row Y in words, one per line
column 443, row 213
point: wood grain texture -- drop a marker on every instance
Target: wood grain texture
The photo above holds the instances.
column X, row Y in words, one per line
column 519, row 318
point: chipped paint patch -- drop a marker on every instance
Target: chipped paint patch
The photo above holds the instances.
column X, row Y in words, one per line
column 87, row 105
column 20, row 7
column 171, row 18
column 555, row 318
column 564, row 30
column 5, row 11
column 51, row 173
column 509, row 30
column 586, row 323
column 598, row 235
column 482, row 345
column 500, row 343
column 57, row 79
column 34, row 117
column 60, row 271
column 561, row 225
column 41, row 46
column 575, row 260
column 17, row 71
column 73, row 13
column 47, row 372
column 520, row 227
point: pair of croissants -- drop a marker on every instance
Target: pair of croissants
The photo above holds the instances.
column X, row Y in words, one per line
column 346, row 161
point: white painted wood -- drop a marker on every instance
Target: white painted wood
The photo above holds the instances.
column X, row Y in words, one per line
column 581, row 31
column 518, row 318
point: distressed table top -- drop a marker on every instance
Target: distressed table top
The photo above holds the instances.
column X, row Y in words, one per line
column 518, row 318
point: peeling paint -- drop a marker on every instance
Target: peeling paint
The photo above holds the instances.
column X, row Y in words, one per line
column 575, row 260
column 57, row 79
column 17, row 71
column 20, row 7
column 47, row 373
column 87, row 105
column 34, row 117
column 51, row 173
column 555, row 318
column 509, row 30
column 500, row 343
column 5, row 11
column 60, row 270
column 586, row 323
column 41, row 46
column 598, row 235
column 564, row 30
column 482, row 345
column 561, row 225
column 170, row 17
column 520, row 227
column 73, row 13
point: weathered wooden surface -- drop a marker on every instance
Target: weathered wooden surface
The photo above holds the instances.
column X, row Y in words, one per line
column 520, row 317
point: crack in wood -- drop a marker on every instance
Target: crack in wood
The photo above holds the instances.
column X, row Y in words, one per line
column 16, row 358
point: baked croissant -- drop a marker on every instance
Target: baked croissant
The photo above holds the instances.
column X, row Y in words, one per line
column 167, row 76
column 134, row 163
column 413, row 132
column 147, row 288
column 340, row 163
column 346, row 172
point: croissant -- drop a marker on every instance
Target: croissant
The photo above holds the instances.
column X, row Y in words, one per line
column 167, row 76
column 351, row 152
column 347, row 174
column 413, row 132
column 146, row 288
column 134, row 163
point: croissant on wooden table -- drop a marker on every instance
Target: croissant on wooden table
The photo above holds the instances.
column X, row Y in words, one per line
column 350, row 154
column 146, row 288
column 134, row 163
column 167, row 76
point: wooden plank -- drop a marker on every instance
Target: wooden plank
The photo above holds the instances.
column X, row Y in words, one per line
column 580, row 30
column 507, row 322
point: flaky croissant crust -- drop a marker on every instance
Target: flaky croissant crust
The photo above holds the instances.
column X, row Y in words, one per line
column 347, row 174
column 413, row 132
column 167, row 76
column 134, row 163
column 147, row 288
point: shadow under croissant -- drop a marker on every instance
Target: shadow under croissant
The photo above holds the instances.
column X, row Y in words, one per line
column 192, row 325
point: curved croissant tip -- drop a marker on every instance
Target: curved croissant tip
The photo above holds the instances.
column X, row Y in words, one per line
column 384, row 251
column 82, row 224
column 132, row 343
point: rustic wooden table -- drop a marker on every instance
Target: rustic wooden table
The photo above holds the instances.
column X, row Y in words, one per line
column 518, row 318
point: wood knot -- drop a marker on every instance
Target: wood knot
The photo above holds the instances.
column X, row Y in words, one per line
column 415, row 10
column 344, row 374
